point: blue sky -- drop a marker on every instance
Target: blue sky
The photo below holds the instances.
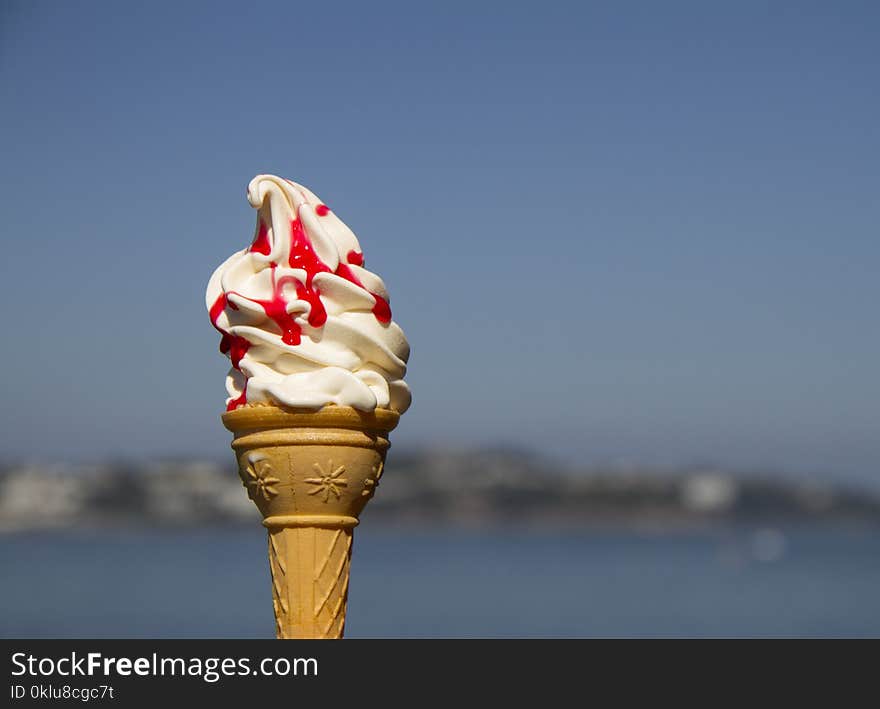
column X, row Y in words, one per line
column 616, row 232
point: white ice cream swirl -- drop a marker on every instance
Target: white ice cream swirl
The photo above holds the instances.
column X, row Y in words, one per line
column 304, row 324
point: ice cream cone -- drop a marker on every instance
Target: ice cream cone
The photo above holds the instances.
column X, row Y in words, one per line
column 310, row 473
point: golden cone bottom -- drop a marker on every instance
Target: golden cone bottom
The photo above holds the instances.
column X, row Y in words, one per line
column 310, row 473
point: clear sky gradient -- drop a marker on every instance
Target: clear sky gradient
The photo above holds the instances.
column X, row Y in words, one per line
column 617, row 232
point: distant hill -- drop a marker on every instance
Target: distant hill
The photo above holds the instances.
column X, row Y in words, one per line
column 476, row 488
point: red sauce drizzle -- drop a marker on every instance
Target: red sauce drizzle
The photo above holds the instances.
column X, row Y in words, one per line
column 240, row 400
column 261, row 243
column 381, row 309
column 302, row 256
column 276, row 307
column 234, row 345
column 216, row 309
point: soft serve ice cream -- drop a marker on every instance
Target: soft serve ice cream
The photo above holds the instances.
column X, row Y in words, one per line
column 302, row 321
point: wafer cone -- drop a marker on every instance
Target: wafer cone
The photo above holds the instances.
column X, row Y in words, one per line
column 310, row 474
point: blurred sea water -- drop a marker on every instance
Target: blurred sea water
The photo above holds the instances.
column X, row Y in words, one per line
column 727, row 582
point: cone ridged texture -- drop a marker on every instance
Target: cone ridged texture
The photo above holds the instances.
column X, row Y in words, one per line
column 309, row 605
column 310, row 474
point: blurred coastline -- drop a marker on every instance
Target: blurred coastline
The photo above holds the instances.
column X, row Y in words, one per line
column 456, row 544
column 473, row 489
